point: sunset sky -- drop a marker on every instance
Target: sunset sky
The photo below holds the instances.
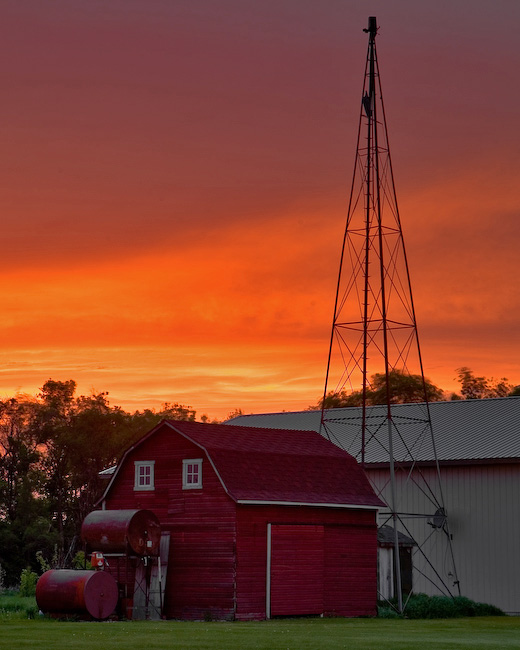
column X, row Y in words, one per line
column 175, row 177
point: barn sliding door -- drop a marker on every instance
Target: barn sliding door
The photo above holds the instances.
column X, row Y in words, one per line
column 296, row 570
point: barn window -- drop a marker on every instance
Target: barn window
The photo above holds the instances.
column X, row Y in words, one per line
column 191, row 473
column 144, row 475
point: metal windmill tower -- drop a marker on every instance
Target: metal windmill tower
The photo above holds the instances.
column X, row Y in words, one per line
column 374, row 355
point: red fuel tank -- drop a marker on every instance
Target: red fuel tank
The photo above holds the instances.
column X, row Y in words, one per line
column 66, row 591
column 120, row 531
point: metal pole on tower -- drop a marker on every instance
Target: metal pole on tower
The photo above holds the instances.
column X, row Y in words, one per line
column 374, row 345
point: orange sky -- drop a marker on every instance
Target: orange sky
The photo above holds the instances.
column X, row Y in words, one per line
column 174, row 180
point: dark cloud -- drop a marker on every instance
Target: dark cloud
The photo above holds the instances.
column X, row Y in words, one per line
column 214, row 142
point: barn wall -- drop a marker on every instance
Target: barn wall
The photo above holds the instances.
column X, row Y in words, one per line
column 351, row 571
column 297, row 569
column 218, row 550
column 201, row 567
column 350, row 557
column 484, row 515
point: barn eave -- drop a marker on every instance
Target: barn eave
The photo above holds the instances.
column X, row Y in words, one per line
column 257, row 502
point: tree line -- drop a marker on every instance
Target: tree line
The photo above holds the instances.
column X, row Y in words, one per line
column 52, row 448
column 54, row 445
column 403, row 388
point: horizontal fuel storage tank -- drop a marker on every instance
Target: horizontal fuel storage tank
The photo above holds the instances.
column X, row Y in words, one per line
column 85, row 593
column 122, row 531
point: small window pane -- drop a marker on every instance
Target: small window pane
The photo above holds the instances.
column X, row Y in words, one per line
column 144, row 475
column 192, row 474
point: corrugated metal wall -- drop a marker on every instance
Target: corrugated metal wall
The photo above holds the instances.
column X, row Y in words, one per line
column 483, row 506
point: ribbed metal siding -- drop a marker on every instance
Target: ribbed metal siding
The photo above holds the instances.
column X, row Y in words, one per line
column 484, row 515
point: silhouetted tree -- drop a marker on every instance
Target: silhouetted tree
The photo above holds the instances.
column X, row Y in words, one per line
column 472, row 387
column 403, row 388
column 52, row 449
column 24, row 514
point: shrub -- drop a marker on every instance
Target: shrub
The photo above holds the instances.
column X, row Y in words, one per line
column 483, row 609
column 387, row 612
column 442, row 607
column 44, row 565
column 78, row 562
column 418, row 606
column 464, row 606
column 423, row 606
column 28, row 580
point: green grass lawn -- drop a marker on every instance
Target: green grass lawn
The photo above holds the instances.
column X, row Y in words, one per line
column 484, row 633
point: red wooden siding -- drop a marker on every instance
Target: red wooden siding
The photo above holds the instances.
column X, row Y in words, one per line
column 201, row 577
column 297, row 570
column 323, row 560
column 201, row 564
column 349, row 551
column 350, row 570
column 251, row 566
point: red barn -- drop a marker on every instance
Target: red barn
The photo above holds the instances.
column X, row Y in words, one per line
column 262, row 522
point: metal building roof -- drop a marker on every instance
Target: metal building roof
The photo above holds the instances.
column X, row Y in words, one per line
column 464, row 430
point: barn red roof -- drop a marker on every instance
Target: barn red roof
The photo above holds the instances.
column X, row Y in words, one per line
column 257, row 465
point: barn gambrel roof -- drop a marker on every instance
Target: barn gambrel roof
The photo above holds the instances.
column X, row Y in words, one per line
column 479, row 430
column 274, row 466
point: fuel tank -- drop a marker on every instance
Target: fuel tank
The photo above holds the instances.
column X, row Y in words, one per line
column 122, row 531
column 66, row 591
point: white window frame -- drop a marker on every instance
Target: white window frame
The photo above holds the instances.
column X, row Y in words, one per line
column 141, row 486
column 187, row 475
